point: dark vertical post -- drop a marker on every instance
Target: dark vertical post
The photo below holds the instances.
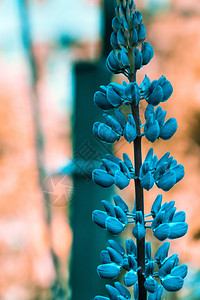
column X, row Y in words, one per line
column 87, row 237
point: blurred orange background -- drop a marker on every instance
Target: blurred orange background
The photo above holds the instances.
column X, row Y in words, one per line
column 35, row 129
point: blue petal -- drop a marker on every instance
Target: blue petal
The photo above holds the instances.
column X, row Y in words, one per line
column 113, row 40
column 168, row 129
column 120, row 202
column 167, row 181
column 101, row 101
column 108, row 271
column 127, row 161
column 132, row 92
column 113, row 64
column 180, row 271
column 113, row 97
column 120, row 118
column 141, row 32
column 113, row 123
column 158, row 219
column 121, row 181
column 120, row 38
column 145, row 85
column 101, row 298
column 124, row 58
column 179, row 172
column 130, row 278
column 114, row 226
column 116, row 24
column 162, row 252
column 131, row 247
column 161, row 232
column 180, row 216
column 115, row 256
column 102, row 178
column 121, row 216
column 167, row 90
column 172, row 283
column 105, row 257
column 95, row 128
column 123, row 291
column 177, row 230
column 112, row 292
column 109, row 207
column 156, row 205
column 129, row 133
column 116, row 246
column 99, row 217
column 168, row 265
column 149, row 111
column 156, row 96
column 147, row 181
column 150, row 284
column 148, row 250
column 137, row 59
column 134, row 36
column 136, row 19
column 149, row 269
column 147, row 53
column 152, row 132
column 157, row 295
column 139, row 231
column 110, row 166
column 160, row 115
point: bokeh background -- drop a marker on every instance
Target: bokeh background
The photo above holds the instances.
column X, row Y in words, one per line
column 52, row 54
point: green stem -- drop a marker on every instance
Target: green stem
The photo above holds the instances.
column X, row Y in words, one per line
column 139, row 197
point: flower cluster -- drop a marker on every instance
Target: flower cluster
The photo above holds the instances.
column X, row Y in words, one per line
column 115, row 95
column 115, row 218
column 156, row 91
column 114, row 171
column 167, row 222
column 114, row 128
column 156, row 127
column 129, row 32
column 165, row 172
column 115, row 258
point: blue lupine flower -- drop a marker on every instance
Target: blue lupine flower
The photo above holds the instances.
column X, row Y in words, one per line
column 164, row 172
column 171, row 275
column 114, row 259
column 114, row 170
column 157, row 295
column 165, row 223
column 156, row 127
column 139, row 230
column 115, row 128
column 119, row 292
column 129, row 32
column 115, row 95
column 156, row 91
column 114, row 219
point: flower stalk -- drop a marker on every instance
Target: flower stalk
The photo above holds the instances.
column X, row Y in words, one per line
column 129, row 33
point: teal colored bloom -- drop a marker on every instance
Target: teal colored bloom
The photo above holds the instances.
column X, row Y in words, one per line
column 114, row 171
column 165, row 172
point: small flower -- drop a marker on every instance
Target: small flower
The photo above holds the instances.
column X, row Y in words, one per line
column 164, row 172
column 115, row 128
column 114, row 170
column 114, row 219
column 156, row 127
column 172, row 275
column 156, row 91
column 167, row 223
